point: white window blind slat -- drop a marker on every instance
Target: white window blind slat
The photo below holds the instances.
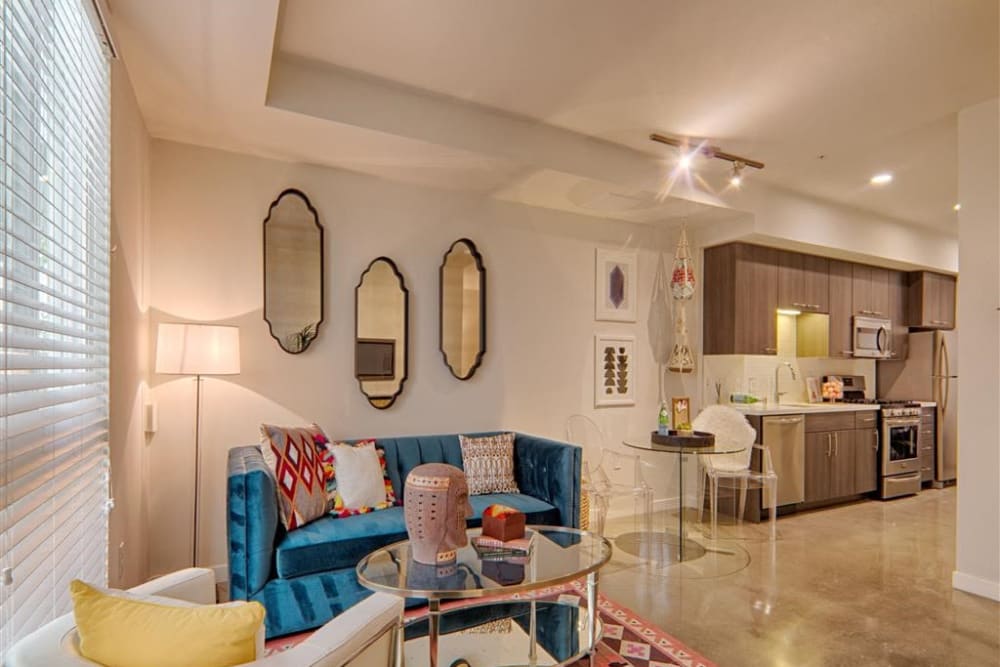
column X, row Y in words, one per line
column 54, row 308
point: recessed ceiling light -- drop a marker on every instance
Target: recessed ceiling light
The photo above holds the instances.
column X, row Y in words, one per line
column 881, row 179
column 957, row 207
column 685, row 161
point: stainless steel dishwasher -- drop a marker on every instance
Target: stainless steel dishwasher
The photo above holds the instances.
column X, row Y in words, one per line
column 785, row 437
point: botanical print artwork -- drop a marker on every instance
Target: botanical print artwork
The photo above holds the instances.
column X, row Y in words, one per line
column 615, row 286
column 614, row 371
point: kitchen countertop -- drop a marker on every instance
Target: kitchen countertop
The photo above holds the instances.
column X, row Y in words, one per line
column 760, row 409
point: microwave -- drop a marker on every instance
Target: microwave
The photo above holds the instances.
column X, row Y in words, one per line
column 872, row 338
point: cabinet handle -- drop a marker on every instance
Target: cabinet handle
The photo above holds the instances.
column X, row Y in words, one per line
column 800, row 305
column 814, row 305
column 836, row 444
column 939, row 322
column 770, row 349
column 829, row 445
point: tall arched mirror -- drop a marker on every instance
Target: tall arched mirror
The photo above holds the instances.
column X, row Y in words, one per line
column 463, row 309
column 381, row 332
column 293, row 271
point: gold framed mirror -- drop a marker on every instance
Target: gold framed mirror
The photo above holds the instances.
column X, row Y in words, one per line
column 463, row 309
column 293, row 271
column 381, row 332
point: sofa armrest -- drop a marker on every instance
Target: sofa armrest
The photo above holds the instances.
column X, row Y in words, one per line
column 365, row 634
column 193, row 584
column 251, row 521
column 550, row 470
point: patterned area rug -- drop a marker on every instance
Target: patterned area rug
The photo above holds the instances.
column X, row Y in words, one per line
column 629, row 640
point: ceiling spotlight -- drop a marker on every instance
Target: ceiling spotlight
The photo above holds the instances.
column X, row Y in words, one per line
column 881, row 179
column 685, row 161
column 957, row 207
column 737, row 178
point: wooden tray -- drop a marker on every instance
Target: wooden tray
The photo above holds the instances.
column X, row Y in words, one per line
column 698, row 439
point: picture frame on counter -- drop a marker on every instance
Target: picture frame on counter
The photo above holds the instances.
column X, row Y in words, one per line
column 813, row 391
column 680, row 408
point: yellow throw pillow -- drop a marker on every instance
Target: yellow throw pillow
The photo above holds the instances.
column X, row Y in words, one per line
column 123, row 632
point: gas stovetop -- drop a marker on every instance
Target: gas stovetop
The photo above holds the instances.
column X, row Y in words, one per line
column 888, row 408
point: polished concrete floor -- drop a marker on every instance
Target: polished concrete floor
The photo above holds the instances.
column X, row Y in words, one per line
column 867, row 583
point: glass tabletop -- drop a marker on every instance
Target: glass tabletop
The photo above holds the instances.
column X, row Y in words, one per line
column 644, row 442
column 557, row 555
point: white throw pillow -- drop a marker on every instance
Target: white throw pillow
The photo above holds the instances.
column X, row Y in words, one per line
column 359, row 475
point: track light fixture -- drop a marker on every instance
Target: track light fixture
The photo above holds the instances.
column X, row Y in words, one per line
column 688, row 154
column 737, row 178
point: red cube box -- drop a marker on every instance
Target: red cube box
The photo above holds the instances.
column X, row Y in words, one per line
column 503, row 523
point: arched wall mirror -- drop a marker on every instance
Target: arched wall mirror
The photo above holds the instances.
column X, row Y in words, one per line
column 293, row 271
column 381, row 332
column 463, row 309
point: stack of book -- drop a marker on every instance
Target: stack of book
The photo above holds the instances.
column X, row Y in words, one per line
column 513, row 551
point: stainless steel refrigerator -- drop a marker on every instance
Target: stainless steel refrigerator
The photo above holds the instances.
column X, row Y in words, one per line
column 930, row 373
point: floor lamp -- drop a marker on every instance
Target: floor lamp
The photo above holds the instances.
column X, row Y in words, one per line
column 197, row 349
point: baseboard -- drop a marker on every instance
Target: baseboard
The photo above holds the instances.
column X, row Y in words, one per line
column 976, row 585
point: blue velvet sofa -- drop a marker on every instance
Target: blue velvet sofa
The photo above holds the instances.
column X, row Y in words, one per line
column 307, row 576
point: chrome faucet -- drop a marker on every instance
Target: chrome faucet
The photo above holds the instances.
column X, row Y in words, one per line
column 777, row 369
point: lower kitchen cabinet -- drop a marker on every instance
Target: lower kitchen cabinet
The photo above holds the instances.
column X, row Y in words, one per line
column 927, row 443
column 865, row 460
column 840, row 464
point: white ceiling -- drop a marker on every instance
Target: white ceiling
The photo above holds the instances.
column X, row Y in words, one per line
column 870, row 85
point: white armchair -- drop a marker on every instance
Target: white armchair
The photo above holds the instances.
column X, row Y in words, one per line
column 363, row 636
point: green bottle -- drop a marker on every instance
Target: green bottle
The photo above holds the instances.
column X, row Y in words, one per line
column 663, row 423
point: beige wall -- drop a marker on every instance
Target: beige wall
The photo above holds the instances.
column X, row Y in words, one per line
column 977, row 558
column 130, row 146
column 205, row 264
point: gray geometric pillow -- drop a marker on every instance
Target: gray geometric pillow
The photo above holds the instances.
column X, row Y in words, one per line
column 489, row 463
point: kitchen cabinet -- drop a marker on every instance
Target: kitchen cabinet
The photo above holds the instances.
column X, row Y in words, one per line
column 803, row 282
column 841, row 460
column 741, row 297
column 841, row 279
column 899, row 314
column 927, row 443
column 865, row 460
column 830, row 465
column 931, row 300
column 870, row 291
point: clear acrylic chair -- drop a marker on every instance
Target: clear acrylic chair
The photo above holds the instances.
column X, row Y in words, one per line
column 616, row 475
column 735, row 470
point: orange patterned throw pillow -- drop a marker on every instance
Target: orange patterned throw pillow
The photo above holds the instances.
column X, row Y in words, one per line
column 298, row 471
column 489, row 463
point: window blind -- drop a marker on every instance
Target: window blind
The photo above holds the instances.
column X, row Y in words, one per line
column 54, row 306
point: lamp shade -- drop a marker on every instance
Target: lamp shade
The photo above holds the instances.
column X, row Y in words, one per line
column 197, row 349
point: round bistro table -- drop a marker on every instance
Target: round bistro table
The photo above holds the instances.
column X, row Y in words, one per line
column 679, row 547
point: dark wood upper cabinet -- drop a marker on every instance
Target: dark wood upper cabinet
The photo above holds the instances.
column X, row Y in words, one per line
column 803, row 282
column 898, row 313
column 931, row 300
column 870, row 291
column 741, row 297
column 841, row 309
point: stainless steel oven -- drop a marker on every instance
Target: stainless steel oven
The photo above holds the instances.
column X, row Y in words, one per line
column 900, row 461
column 872, row 338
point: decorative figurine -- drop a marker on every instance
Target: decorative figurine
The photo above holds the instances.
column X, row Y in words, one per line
column 436, row 504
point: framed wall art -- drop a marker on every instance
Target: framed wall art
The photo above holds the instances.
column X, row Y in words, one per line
column 615, row 291
column 614, row 370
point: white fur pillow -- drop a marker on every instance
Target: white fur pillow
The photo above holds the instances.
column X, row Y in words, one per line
column 359, row 475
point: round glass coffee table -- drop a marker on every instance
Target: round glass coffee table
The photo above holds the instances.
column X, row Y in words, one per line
column 537, row 632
